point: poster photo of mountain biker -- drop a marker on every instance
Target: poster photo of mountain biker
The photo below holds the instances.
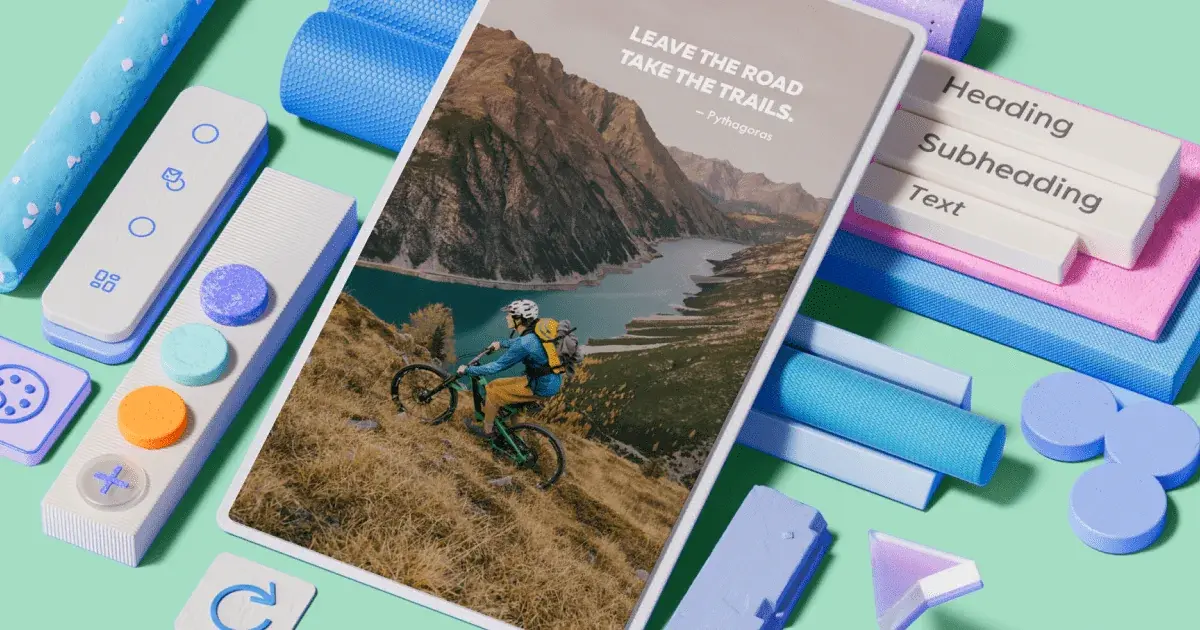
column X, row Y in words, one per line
column 560, row 298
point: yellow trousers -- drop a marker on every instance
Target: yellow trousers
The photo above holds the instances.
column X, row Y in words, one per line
column 505, row 391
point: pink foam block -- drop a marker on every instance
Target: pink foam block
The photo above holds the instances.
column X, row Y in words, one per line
column 1138, row 300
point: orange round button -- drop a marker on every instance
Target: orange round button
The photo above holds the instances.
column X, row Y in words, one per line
column 152, row 417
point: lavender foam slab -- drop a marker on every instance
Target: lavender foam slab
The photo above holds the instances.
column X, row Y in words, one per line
column 59, row 390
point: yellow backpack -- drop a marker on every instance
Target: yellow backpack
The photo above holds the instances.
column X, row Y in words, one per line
column 560, row 343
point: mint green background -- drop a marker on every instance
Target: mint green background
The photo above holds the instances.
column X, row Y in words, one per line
column 1129, row 60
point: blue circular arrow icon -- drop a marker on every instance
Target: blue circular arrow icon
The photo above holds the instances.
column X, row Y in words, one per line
column 257, row 596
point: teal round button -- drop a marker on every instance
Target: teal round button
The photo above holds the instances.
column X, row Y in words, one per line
column 194, row 355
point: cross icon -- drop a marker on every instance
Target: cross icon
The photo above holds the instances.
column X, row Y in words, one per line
column 110, row 480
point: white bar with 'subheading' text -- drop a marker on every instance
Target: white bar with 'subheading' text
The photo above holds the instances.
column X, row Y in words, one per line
column 1113, row 222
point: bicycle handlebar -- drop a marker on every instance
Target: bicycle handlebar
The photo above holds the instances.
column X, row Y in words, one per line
column 486, row 351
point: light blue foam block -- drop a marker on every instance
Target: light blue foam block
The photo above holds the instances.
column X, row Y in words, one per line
column 840, row 459
column 81, row 131
column 1152, row 368
column 756, row 574
column 879, row 360
column 883, row 416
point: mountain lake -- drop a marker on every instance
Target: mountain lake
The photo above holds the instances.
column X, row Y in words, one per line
column 597, row 312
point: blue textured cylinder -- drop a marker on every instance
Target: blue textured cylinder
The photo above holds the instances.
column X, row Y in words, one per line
column 82, row 129
column 883, row 416
column 359, row 78
column 952, row 24
column 438, row 22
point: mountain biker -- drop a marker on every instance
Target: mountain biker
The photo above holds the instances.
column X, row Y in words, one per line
column 537, row 383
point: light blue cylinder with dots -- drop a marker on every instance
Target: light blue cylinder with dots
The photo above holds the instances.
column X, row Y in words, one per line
column 82, row 129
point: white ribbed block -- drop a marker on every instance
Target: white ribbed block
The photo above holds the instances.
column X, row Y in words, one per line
column 291, row 231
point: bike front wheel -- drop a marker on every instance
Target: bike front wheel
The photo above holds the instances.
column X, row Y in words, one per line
column 417, row 391
column 539, row 453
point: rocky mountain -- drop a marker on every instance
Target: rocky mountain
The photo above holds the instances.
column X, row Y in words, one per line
column 528, row 174
column 748, row 193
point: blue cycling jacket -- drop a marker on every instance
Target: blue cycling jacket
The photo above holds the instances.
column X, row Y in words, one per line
column 525, row 349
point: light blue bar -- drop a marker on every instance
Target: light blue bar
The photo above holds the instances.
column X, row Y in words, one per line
column 841, row 459
column 871, row 357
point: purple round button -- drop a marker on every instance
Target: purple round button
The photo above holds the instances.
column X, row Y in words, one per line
column 1117, row 509
column 1064, row 416
column 234, row 295
column 1157, row 439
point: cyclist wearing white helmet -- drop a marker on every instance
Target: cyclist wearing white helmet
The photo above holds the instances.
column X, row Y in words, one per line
column 525, row 347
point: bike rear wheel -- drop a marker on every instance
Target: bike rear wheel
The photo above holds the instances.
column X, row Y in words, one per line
column 411, row 391
column 542, row 453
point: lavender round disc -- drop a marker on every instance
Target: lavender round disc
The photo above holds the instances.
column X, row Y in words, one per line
column 234, row 295
column 1064, row 416
column 1157, row 439
column 1117, row 509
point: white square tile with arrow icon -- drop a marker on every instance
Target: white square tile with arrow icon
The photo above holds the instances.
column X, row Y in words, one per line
column 237, row 594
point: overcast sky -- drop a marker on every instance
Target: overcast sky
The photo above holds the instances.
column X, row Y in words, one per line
column 843, row 59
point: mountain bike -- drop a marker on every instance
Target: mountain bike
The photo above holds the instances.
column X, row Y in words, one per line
column 430, row 394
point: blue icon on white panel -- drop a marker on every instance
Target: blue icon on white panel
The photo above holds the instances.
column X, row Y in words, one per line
column 142, row 227
column 174, row 179
column 107, row 481
column 105, row 280
column 205, row 133
column 258, row 595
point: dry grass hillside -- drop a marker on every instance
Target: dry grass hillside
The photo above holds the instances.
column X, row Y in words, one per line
column 421, row 504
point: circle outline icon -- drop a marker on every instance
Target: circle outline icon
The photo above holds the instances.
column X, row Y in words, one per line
column 216, row 133
column 153, row 227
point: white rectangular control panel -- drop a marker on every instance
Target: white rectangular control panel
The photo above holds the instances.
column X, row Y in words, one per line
column 183, row 173
column 966, row 223
column 1113, row 222
column 150, row 440
column 1046, row 125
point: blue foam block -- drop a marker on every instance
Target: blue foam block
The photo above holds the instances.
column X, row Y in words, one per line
column 1156, row 439
column 1064, row 416
column 879, row 360
column 1153, row 368
column 358, row 77
column 840, row 459
column 113, row 353
column 883, row 416
column 756, row 574
column 81, row 131
column 1117, row 509
column 437, row 22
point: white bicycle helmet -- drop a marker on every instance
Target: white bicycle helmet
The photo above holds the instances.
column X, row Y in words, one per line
column 525, row 309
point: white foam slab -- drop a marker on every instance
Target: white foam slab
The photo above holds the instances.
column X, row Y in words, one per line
column 112, row 497
column 1113, row 222
column 966, row 223
column 1046, row 125
column 153, row 215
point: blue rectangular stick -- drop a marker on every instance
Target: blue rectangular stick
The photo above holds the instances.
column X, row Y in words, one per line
column 756, row 574
column 881, row 361
column 840, row 459
column 1152, row 368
